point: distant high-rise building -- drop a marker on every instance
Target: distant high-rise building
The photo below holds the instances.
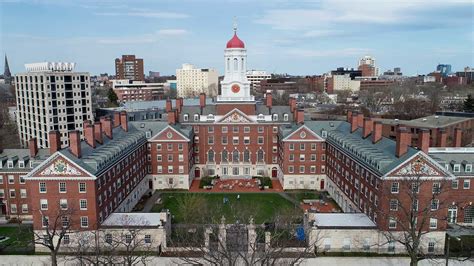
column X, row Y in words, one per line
column 368, row 67
column 192, row 81
column 444, row 69
column 255, row 76
column 129, row 67
column 51, row 96
column 7, row 75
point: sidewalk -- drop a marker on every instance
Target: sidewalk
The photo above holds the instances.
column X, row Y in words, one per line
column 151, row 201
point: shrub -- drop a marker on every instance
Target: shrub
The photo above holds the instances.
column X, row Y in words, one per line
column 206, row 181
column 265, row 181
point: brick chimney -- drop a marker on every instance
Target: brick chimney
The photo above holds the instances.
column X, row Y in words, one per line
column 89, row 134
column 179, row 104
column 169, row 105
column 300, row 116
column 33, row 146
column 442, row 137
column 202, row 100
column 269, row 100
column 116, row 119
column 75, row 143
column 54, row 141
column 124, row 121
column 377, row 132
column 368, row 127
column 360, row 120
column 98, row 132
column 457, row 142
column 292, row 104
column 403, row 141
column 349, row 116
column 107, row 127
column 171, row 118
column 354, row 122
column 424, row 140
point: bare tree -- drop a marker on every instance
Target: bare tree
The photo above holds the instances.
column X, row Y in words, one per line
column 222, row 243
column 56, row 225
column 419, row 208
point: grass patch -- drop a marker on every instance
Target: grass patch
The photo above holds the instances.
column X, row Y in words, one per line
column 261, row 206
column 301, row 195
column 20, row 240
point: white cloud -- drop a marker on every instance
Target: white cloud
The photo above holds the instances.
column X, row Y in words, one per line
column 145, row 14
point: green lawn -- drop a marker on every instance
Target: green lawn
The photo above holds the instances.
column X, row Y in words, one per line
column 261, row 206
column 301, row 195
column 19, row 242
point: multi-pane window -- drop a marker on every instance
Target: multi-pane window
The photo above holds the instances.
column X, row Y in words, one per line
column 224, row 156
column 82, row 187
column 313, row 146
column 246, row 156
column 302, row 157
column 108, row 238
column 224, row 140
column 62, row 187
column 45, row 221
column 66, row 240
column 210, row 140
column 246, row 129
column 11, row 179
column 83, row 204
column 65, row 221
column 63, row 204
column 210, row 129
column 394, row 205
column 292, row 146
column 436, row 188
column 434, row 204
column 44, row 204
column 431, row 247
column 260, row 140
column 433, row 223
column 395, row 187
column 42, row 187
column 224, row 129
column 415, row 187
column 392, row 223
column 128, row 238
column 84, row 221
column 147, row 239
column 455, row 184
column 210, row 156
column 235, row 129
column 302, row 146
column 467, row 184
column 235, row 156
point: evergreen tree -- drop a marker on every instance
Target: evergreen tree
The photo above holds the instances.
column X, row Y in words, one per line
column 112, row 97
column 469, row 104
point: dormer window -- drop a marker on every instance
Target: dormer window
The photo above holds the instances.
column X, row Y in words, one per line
column 185, row 117
column 260, row 117
column 148, row 134
column 324, row 134
column 468, row 168
column 210, row 117
column 275, row 117
column 285, row 117
column 10, row 164
column 21, row 164
column 196, row 117
column 457, row 168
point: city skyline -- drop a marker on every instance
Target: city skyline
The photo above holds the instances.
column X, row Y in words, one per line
column 312, row 37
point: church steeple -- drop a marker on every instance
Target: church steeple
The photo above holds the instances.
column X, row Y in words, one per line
column 7, row 75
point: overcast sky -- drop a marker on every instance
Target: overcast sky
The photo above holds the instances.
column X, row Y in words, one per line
column 281, row 36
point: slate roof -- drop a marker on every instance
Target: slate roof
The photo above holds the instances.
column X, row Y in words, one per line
column 380, row 157
column 448, row 157
column 343, row 220
column 156, row 126
column 94, row 160
column 316, row 126
column 17, row 155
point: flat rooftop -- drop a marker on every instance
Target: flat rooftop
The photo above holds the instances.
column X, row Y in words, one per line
column 343, row 220
column 135, row 219
column 432, row 121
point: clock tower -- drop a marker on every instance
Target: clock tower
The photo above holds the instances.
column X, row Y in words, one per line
column 235, row 87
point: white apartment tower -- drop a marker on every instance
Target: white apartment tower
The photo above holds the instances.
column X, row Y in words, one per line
column 51, row 96
column 191, row 81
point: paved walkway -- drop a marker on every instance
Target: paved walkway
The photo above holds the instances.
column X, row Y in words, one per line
column 151, row 201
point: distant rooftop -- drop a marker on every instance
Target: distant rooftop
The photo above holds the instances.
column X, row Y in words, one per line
column 135, row 219
column 463, row 157
column 432, row 121
column 160, row 104
column 50, row 66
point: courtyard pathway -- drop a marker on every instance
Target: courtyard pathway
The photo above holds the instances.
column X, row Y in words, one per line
column 236, row 185
column 151, row 201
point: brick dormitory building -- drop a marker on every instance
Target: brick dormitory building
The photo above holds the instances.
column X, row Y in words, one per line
column 235, row 137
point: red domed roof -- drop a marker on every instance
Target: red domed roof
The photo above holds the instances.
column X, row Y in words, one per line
column 235, row 42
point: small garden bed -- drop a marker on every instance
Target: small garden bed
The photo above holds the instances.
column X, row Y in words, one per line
column 206, row 181
column 265, row 181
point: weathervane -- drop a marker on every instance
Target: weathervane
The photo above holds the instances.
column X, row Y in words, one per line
column 235, row 24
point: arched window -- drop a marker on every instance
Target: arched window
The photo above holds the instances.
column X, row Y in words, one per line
column 285, row 117
column 246, row 156
column 210, row 156
column 228, row 63
column 242, row 66
column 196, row 117
column 275, row 117
column 260, row 156
column 225, row 156
column 235, row 156
column 185, row 117
column 236, row 64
